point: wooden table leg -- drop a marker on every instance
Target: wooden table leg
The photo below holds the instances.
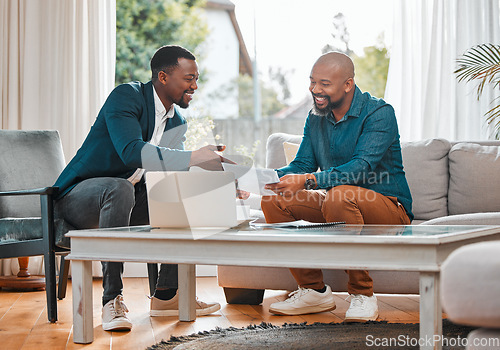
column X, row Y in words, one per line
column 187, row 292
column 83, row 325
column 431, row 321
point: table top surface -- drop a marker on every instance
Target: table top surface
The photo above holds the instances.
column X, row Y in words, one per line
column 343, row 233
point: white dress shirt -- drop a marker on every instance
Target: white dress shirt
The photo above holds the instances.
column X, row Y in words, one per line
column 161, row 116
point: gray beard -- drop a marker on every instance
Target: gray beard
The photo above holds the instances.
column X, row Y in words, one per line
column 320, row 112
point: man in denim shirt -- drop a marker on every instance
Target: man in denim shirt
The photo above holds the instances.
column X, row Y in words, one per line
column 348, row 168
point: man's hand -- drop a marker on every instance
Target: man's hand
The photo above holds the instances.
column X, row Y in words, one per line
column 240, row 194
column 288, row 185
column 207, row 159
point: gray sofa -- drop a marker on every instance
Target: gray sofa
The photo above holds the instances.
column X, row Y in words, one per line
column 451, row 183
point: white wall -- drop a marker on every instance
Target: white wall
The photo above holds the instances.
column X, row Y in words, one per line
column 220, row 65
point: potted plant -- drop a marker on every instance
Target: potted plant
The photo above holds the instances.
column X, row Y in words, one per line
column 482, row 63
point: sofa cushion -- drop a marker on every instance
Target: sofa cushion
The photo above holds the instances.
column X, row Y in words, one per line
column 426, row 167
column 474, row 181
column 466, row 219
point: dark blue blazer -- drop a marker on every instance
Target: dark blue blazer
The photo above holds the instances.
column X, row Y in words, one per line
column 117, row 142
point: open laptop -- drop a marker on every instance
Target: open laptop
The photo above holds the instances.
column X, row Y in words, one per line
column 182, row 199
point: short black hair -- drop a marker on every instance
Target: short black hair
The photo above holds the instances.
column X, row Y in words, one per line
column 166, row 58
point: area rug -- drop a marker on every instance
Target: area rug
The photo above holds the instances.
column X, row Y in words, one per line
column 317, row 336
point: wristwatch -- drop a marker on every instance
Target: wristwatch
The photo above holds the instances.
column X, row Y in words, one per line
column 310, row 184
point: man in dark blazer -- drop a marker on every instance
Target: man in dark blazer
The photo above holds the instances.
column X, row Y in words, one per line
column 137, row 129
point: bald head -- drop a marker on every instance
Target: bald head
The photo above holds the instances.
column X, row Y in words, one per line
column 332, row 84
column 338, row 62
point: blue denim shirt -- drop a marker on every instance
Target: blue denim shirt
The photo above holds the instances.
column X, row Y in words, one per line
column 361, row 149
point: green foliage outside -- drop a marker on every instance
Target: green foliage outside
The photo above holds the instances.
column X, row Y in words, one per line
column 142, row 26
column 372, row 68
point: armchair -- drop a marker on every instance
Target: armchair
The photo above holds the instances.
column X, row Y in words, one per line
column 29, row 162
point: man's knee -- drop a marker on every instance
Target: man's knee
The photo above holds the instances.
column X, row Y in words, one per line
column 349, row 194
column 268, row 203
column 117, row 190
column 341, row 199
column 340, row 195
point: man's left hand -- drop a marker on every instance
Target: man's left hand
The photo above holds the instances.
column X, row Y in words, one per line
column 288, row 185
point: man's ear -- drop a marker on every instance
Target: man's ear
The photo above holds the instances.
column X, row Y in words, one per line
column 163, row 77
column 349, row 85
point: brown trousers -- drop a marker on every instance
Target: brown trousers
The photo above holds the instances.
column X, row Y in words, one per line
column 352, row 204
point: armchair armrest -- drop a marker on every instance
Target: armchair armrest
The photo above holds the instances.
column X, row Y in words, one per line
column 36, row 191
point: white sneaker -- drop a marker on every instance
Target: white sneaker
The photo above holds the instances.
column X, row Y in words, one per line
column 113, row 315
column 171, row 307
column 304, row 301
column 362, row 308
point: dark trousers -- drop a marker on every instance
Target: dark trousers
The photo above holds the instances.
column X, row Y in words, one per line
column 105, row 202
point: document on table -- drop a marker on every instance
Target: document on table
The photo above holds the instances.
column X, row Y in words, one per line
column 253, row 179
column 297, row 224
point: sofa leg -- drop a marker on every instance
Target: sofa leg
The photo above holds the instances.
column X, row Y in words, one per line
column 244, row 296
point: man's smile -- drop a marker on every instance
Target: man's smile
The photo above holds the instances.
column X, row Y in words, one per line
column 188, row 95
column 320, row 100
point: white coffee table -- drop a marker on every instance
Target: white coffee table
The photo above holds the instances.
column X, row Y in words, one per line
column 370, row 247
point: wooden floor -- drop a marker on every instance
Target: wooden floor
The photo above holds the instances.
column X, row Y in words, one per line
column 24, row 325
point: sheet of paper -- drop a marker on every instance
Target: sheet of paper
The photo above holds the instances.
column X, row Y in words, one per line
column 297, row 224
column 253, row 179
